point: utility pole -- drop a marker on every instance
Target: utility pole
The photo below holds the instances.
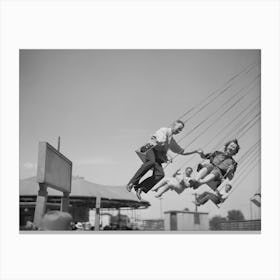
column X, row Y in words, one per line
column 195, row 199
column 250, row 203
column 160, row 205
column 58, row 143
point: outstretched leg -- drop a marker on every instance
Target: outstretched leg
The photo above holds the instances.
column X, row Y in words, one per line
column 160, row 184
column 207, row 179
column 202, row 198
column 202, row 177
column 145, row 167
column 201, row 174
column 164, row 189
column 150, row 182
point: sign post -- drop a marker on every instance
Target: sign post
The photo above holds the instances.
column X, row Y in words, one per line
column 40, row 204
column 65, row 202
column 55, row 171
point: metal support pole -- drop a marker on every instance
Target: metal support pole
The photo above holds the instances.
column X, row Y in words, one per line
column 58, row 143
column 41, row 201
column 97, row 213
column 119, row 218
column 250, row 202
column 195, row 197
column 65, row 202
column 160, row 203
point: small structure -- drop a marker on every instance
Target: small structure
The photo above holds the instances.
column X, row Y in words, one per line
column 54, row 171
column 82, row 198
column 153, row 224
column 186, row 220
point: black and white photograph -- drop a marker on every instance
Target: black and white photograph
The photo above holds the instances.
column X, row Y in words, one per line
column 140, row 140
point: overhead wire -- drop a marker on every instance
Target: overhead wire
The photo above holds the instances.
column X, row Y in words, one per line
column 214, row 122
column 226, row 137
column 201, row 106
column 251, row 164
column 209, row 116
column 220, row 107
column 240, row 123
column 223, row 88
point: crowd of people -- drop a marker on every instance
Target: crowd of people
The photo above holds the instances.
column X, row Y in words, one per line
column 62, row 221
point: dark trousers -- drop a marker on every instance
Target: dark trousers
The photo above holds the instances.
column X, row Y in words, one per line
column 154, row 163
column 204, row 197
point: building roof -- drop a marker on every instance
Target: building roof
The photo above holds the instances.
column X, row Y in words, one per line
column 184, row 211
column 85, row 189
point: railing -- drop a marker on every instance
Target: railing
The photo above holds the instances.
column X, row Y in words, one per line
column 241, row 225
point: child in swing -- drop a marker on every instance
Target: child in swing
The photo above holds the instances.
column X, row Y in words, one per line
column 218, row 198
column 221, row 166
column 178, row 182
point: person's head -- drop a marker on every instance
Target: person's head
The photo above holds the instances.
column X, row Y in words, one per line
column 79, row 226
column 232, row 147
column 87, row 226
column 56, row 220
column 228, row 188
column 29, row 225
column 188, row 171
column 177, row 127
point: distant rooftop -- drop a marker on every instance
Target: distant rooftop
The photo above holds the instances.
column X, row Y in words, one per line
column 84, row 191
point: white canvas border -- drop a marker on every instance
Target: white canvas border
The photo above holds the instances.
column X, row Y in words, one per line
column 155, row 24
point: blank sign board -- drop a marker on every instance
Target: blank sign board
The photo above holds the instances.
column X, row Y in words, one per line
column 54, row 169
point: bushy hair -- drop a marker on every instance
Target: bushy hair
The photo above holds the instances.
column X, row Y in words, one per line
column 237, row 146
column 181, row 122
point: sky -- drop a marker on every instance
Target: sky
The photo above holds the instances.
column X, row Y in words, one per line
column 104, row 104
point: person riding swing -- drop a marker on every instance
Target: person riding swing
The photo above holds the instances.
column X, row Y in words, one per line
column 156, row 154
column 217, row 198
column 221, row 166
column 178, row 182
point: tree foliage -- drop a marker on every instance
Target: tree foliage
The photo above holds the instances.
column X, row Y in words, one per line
column 215, row 222
column 235, row 215
column 232, row 215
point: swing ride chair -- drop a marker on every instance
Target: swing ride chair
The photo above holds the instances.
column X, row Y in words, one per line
column 245, row 120
column 142, row 151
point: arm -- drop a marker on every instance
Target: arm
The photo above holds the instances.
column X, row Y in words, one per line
column 176, row 173
column 231, row 170
column 190, row 153
column 203, row 155
column 186, row 181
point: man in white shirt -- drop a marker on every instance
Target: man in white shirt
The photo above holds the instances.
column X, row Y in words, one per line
column 160, row 143
column 220, row 196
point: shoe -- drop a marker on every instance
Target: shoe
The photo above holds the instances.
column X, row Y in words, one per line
column 129, row 187
column 138, row 194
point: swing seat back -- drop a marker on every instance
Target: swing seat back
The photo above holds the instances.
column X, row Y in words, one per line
column 142, row 151
column 213, row 185
column 141, row 155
